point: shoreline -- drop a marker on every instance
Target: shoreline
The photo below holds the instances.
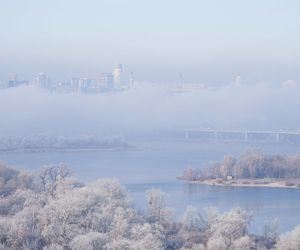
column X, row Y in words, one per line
column 50, row 150
column 259, row 183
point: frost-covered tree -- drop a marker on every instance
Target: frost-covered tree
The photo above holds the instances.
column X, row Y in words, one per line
column 89, row 241
column 192, row 220
column 226, row 228
column 53, row 246
column 146, row 236
column 223, row 243
column 212, row 214
column 217, row 243
column 60, row 213
column 290, row 240
column 271, row 229
column 81, row 210
column 191, row 174
column 244, row 243
column 249, row 165
column 12, row 179
column 195, row 247
column 157, row 210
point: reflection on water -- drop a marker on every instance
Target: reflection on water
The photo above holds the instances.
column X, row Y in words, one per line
column 265, row 203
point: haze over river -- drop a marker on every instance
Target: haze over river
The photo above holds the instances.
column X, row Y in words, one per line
column 157, row 163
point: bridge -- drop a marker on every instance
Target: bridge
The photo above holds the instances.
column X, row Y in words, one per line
column 291, row 137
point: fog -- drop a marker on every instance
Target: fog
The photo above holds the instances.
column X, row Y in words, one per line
column 28, row 110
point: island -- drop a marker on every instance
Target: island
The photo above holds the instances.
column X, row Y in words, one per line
column 251, row 169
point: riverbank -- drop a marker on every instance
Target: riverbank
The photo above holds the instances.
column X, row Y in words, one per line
column 266, row 182
column 74, row 149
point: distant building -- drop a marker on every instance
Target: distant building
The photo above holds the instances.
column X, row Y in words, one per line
column 42, row 81
column 106, row 81
column 85, row 84
column 117, row 75
column 64, row 87
column 114, row 80
column 238, row 81
column 75, row 84
column 10, row 84
column 131, row 80
column 14, row 81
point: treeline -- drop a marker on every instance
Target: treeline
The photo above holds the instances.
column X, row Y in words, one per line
column 45, row 142
column 249, row 165
column 52, row 210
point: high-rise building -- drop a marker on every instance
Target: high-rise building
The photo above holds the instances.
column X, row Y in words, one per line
column 75, row 84
column 13, row 81
column 106, row 81
column 131, row 81
column 238, row 81
column 85, row 84
column 42, row 80
column 117, row 75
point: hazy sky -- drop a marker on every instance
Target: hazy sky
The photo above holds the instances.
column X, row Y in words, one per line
column 29, row 110
column 208, row 41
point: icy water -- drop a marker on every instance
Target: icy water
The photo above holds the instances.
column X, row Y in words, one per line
column 156, row 164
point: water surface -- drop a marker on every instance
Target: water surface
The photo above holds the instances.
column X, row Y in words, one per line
column 156, row 165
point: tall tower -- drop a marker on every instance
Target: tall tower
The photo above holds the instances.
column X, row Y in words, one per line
column 75, row 83
column 131, row 81
column 238, row 80
column 117, row 74
column 42, row 80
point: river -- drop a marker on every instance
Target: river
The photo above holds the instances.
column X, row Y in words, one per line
column 155, row 164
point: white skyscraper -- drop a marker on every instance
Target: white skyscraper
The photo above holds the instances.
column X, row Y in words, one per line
column 131, row 81
column 75, row 84
column 238, row 81
column 117, row 74
column 106, row 81
column 42, row 80
column 84, row 84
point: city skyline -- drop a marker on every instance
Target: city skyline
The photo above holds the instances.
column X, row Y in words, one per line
column 157, row 125
column 116, row 80
column 155, row 39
